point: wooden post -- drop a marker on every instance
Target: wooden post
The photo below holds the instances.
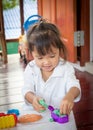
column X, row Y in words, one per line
column 2, row 35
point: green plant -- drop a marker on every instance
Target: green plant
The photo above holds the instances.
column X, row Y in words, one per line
column 8, row 4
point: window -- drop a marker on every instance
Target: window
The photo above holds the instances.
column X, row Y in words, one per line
column 12, row 24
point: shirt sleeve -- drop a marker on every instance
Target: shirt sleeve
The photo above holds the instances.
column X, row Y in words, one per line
column 28, row 80
column 72, row 81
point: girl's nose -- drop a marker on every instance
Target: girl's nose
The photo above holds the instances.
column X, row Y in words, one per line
column 46, row 61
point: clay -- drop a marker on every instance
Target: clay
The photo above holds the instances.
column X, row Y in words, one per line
column 29, row 118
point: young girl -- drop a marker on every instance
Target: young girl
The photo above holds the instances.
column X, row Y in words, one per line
column 49, row 76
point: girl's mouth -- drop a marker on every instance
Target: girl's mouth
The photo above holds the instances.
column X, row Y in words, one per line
column 47, row 67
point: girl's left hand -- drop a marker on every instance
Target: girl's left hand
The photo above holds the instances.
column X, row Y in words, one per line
column 66, row 105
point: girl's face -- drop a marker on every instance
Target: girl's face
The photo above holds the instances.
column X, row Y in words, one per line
column 47, row 62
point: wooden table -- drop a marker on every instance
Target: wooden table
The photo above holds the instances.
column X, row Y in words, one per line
column 45, row 124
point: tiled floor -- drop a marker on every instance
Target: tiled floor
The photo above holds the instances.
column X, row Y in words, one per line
column 11, row 82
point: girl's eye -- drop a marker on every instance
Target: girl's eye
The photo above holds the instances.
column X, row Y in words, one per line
column 40, row 58
column 52, row 56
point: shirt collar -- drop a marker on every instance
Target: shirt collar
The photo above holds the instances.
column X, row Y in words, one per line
column 59, row 70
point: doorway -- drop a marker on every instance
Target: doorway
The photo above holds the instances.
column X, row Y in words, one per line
column 78, row 13
column 83, row 24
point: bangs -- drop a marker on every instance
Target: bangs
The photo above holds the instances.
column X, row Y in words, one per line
column 43, row 42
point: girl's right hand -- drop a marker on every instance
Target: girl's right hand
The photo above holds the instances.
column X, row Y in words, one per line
column 36, row 104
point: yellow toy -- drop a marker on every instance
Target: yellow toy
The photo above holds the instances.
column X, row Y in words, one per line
column 8, row 121
column 22, row 44
column 22, row 47
column 23, row 50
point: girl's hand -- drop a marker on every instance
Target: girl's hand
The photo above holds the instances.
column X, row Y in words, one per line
column 67, row 104
column 68, row 101
column 36, row 104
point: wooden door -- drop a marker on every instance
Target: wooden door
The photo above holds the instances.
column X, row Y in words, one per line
column 63, row 14
column 66, row 21
column 69, row 16
column 83, row 23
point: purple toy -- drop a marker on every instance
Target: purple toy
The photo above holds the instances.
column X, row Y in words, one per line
column 56, row 116
column 55, row 113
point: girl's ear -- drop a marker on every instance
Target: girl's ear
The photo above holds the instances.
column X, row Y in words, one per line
column 60, row 54
column 29, row 56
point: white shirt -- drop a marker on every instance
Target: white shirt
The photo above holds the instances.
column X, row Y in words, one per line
column 55, row 88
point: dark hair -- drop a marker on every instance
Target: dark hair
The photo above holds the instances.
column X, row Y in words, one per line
column 43, row 36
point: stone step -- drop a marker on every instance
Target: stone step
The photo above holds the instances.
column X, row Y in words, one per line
column 89, row 67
